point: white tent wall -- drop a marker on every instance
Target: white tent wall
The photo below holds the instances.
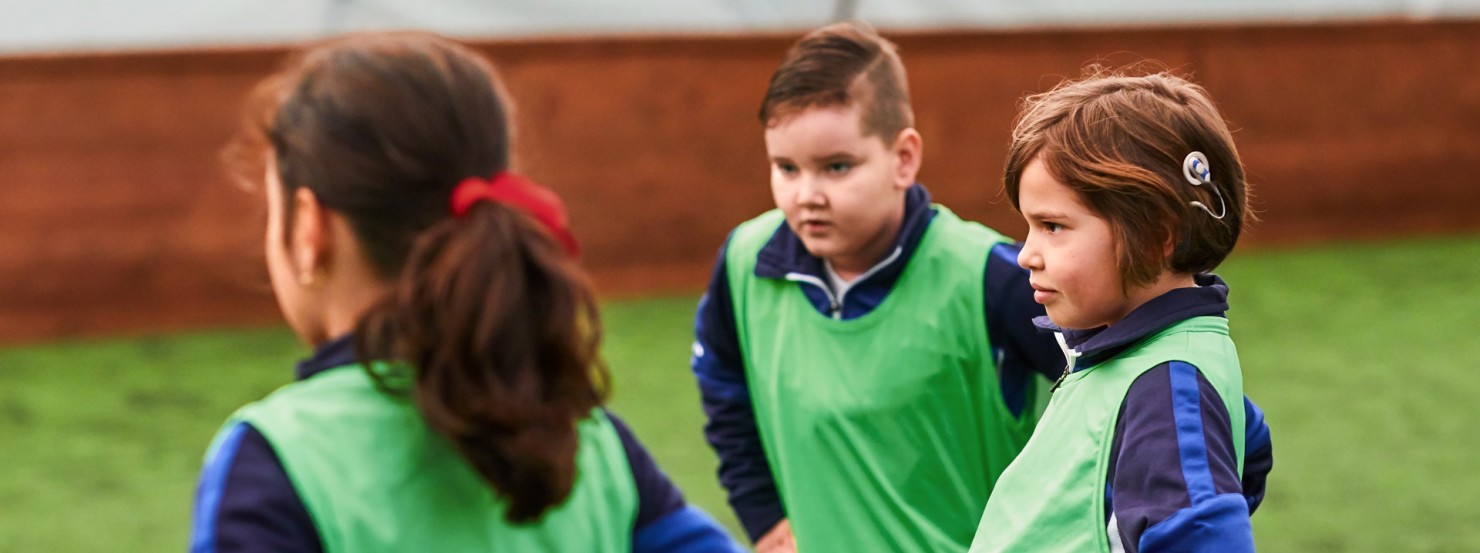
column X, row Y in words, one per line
column 86, row 25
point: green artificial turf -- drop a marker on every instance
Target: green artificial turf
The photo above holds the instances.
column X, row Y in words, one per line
column 1360, row 355
column 1365, row 361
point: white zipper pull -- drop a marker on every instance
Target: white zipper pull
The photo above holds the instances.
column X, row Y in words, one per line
column 832, row 299
column 1070, row 356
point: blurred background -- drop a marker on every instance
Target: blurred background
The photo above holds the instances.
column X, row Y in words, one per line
column 135, row 313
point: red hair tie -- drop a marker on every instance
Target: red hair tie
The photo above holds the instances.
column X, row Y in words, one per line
column 510, row 189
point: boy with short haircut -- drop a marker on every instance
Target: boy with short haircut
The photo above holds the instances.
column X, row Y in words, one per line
column 865, row 357
column 1133, row 192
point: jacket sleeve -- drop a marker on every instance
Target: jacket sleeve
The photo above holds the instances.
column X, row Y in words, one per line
column 1258, row 454
column 245, row 501
column 730, row 427
column 1021, row 350
column 1173, row 477
column 665, row 522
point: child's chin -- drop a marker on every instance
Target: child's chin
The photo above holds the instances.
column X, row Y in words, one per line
column 1064, row 320
column 819, row 249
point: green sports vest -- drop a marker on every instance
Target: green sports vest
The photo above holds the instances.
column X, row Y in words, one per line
column 1053, row 498
column 885, row 432
column 374, row 477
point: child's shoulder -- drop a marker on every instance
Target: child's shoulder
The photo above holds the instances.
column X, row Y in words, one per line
column 753, row 234
column 767, row 220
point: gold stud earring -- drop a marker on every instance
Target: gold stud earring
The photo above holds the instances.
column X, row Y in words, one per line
column 308, row 279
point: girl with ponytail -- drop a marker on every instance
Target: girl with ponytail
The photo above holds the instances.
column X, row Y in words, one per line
column 453, row 401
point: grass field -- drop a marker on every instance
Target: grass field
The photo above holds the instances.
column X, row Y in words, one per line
column 1361, row 355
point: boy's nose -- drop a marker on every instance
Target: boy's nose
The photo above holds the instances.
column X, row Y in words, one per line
column 1027, row 257
column 809, row 193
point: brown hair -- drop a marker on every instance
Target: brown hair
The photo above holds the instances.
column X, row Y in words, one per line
column 496, row 321
column 839, row 64
column 1120, row 141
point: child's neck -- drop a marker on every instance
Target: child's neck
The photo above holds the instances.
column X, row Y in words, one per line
column 1164, row 283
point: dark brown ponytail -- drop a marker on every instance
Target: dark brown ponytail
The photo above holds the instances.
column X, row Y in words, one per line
column 495, row 323
column 502, row 329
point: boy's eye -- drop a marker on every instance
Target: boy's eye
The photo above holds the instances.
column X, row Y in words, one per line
column 838, row 167
column 786, row 168
column 1052, row 227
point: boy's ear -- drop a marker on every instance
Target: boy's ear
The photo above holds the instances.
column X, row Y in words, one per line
column 311, row 239
column 908, row 149
column 1174, row 241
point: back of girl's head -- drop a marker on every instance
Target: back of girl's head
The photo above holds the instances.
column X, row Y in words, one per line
column 495, row 319
column 1120, row 142
column 841, row 64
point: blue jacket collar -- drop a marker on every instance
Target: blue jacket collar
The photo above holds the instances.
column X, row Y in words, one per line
column 1095, row 345
column 784, row 253
column 334, row 353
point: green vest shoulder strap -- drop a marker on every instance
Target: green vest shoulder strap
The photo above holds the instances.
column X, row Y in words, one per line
column 963, row 240
column 1068, row 456
column 884, row 432
column 748, row 238
column 374, row 477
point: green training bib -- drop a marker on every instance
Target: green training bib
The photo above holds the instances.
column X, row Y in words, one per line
column 374, row 477
column 885, row 432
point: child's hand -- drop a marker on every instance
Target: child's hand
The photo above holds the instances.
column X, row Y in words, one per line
column 777, row 540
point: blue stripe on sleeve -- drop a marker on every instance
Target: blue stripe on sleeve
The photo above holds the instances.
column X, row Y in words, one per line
column 716, row 380
column 1012, row 377
column 1007, row 252
column 1191, row 447
column 687, row 529
column 730, row 426
column 1219, row 524
column 212, row 485
column 1019, row 349
column 716, row 359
